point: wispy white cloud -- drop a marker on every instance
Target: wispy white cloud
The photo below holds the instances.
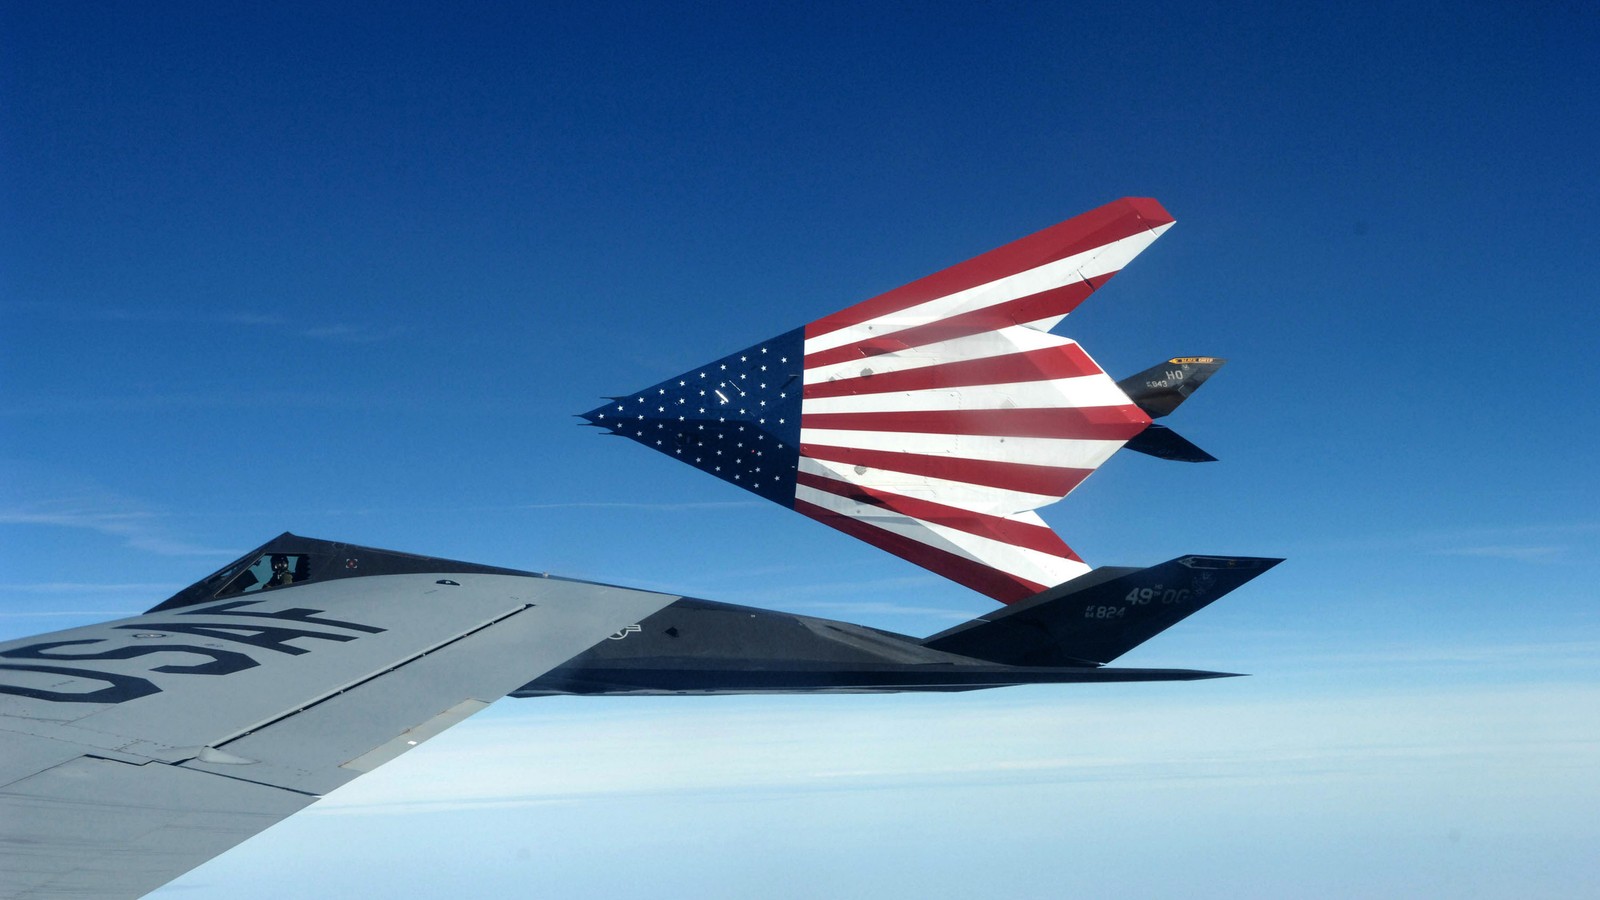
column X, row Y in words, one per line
column 173, row 400
column 531, row 753
column 1519, row 553
column 138, row 530
column 668, row 507
column 89, row 599
column 880, row 608
column 38, row 495
column 1513, row 654
column 72, row 613
column 87, row 587
column 353, row 334
column 335, row 332
column 148, row 314
column 1538, row 542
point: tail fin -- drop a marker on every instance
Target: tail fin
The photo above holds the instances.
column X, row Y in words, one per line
column 1158, row 390
column 1161, row 441
column 1101, row 616
column 930, row 421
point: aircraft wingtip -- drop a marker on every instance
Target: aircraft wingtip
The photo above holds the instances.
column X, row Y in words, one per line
column 598, row 415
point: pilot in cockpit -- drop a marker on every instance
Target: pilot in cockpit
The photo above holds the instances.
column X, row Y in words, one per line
column 280, row 572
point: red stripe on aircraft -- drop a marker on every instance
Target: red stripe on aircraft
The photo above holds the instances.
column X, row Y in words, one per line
column 1052, row 481
column 1044, row 364
column 1106, row 423
column 992, row 582
column 1054, row 302
column 995, row 528
column 1095, row 228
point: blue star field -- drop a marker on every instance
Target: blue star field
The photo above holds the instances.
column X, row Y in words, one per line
column 737, row 418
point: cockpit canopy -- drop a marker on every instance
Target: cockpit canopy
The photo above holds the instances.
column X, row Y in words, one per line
column 289, row 560
column 270, row 570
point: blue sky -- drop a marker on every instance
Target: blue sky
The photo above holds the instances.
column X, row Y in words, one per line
column 350, row 269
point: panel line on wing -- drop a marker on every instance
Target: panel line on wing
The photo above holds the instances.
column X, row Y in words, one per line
column 1043, row 364
column 956, row 494
column 1053, row 482
column 1008, row 340
column 267, row 723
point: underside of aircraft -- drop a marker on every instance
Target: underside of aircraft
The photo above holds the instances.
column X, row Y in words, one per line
column 932, row 421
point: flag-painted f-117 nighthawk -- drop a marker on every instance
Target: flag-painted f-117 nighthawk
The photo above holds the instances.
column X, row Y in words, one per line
column 931, row 421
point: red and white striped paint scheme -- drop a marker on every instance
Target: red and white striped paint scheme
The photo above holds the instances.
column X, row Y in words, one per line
column 937, row 417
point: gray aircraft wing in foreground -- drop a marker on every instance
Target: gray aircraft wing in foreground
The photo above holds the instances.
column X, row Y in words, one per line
column 132, row 751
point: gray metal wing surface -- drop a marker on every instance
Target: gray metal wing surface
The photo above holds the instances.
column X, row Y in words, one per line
column 132, row 751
